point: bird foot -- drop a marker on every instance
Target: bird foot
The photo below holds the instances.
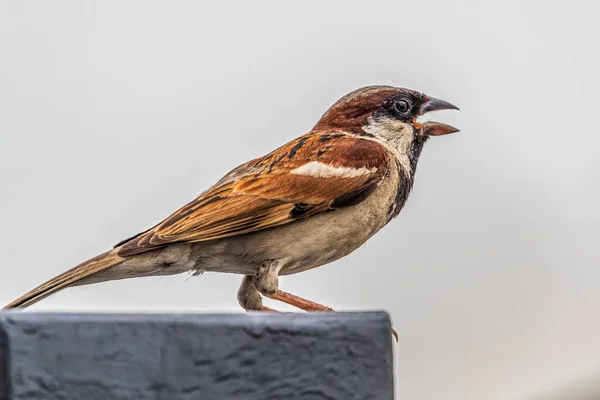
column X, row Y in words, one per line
column 307, row 305
column 297, row 301
column 250, row 299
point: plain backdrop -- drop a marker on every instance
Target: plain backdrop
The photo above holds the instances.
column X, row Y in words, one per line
column 113, row 114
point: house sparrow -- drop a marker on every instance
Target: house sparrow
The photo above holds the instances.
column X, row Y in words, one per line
column 310, row 202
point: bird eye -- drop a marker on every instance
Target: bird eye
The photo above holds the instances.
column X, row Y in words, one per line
column 402, row 106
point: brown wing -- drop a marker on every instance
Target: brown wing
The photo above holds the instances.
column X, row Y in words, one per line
column 312, row 174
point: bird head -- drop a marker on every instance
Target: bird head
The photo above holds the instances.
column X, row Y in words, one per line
column 389, row 114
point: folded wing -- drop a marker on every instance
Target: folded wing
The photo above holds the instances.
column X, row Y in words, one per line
column 314, row 173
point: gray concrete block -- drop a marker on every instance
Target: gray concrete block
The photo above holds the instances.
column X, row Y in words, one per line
column 188, row 356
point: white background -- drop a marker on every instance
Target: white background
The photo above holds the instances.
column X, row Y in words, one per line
column 113, row 114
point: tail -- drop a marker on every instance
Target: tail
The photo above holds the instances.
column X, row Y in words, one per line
column 68, row 278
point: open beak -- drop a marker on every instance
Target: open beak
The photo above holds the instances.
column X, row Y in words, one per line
column 435, row 128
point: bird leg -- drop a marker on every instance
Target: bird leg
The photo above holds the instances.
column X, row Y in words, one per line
column 266, row 282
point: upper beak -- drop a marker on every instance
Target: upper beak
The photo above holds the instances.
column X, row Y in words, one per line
column 435, row 128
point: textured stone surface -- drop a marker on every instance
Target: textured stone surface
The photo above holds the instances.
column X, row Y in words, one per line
column 186, row 356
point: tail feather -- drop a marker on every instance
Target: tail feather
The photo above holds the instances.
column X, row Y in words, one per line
column 67, row 278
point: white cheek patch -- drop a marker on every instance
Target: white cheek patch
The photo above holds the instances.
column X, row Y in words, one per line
column 320, row 170
column 399, row 135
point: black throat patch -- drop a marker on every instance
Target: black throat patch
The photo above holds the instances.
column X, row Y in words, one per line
column 405, row 181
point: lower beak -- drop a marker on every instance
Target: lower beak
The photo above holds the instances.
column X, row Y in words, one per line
column 435, row 128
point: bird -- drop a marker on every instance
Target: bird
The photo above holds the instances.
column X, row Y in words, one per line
column 308, row 203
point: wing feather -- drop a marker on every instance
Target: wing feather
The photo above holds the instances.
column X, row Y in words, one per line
column 276, row 189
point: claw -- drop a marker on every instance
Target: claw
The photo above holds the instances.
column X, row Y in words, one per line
column 265, row 308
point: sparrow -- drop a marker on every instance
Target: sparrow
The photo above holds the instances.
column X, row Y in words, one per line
column 312, row 201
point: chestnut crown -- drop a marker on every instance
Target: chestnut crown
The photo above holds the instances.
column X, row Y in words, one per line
column 350, row 113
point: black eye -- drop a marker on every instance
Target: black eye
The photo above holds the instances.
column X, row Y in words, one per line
column 402, row 106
